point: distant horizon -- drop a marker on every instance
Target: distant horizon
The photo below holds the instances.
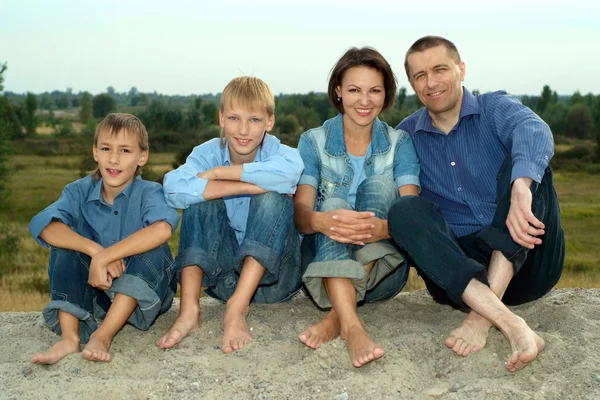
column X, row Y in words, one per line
column 187, row 48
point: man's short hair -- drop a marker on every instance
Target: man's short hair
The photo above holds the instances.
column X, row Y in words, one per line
column 248, row 92
column 115, row 123
column 363, row 57
column 427, row 42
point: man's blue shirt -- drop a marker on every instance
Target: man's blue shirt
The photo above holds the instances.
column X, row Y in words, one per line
column 458, row 170
column 82, row 207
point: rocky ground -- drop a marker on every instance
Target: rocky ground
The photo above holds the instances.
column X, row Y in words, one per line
column 411, row 328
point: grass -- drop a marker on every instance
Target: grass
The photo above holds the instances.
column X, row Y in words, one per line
column 38, row 181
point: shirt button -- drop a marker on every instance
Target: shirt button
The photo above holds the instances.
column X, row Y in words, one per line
column 116, row 213
column 546, row 157
column 453, row 163
column 480, row 216
column 459, row 188
column 195, row 193
column 241, row 202
column 114, row 240
column 239, row 227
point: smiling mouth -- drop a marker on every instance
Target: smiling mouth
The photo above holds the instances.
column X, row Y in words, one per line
column 363, row 112
column 436, row 94
column 243, row 142
column 113, row 172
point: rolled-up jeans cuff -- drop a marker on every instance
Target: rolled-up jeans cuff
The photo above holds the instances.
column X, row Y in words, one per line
column 196, row 256
column 316, row 271
column 460, row 282
column 149, row 304
column 500, row 240
column 266, row 256
column 387, row 259
column 87, row 323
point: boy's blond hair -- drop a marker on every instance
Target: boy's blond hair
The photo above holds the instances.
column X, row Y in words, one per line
column 115, row 123
column 248, row 92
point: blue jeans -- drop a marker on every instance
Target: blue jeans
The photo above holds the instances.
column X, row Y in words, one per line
column 448, row 263
column 323, row 257
column 208, row 241
column 149, row 278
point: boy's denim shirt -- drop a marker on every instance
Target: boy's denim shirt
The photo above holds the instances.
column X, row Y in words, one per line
column 327, row 166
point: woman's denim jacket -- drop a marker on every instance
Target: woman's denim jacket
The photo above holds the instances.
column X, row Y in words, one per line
column 327, row 166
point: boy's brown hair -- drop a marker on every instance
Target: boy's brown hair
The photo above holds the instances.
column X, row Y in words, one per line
column 115, row 123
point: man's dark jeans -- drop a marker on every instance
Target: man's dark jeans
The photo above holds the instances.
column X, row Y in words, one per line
column 448, row 263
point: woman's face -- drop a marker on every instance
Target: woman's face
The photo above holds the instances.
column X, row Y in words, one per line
column 362, row 94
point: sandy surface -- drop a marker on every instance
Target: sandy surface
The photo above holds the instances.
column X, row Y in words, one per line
column 276, row 365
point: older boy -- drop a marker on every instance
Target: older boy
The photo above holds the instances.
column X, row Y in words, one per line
column 109, row 256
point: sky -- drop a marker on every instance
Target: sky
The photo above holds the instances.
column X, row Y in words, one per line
column 195, row 47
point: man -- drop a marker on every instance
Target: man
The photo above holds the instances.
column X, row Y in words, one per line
column 486, row 231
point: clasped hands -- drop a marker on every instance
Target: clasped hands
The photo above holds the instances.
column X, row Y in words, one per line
column 352, row 227
column 102, row 272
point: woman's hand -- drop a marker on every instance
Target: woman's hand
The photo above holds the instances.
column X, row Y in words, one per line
column 347, row 226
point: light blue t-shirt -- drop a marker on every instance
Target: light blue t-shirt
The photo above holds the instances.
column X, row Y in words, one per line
column 358, row 165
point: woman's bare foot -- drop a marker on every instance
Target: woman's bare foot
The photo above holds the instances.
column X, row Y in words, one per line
column 186, row 323
column 525, row 344
column 323, row 331
column 470, row 336
column 97, row 349
column 60, row 350
column 235, row 330
column 361, row 348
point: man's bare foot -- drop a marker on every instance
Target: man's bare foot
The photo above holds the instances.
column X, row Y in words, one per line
column 323, row 331
column 235, row 330
column 185, row 324
column 60, row 350
column 525, row 344
column 470, row 336
column 361, row 348
column 97, row 349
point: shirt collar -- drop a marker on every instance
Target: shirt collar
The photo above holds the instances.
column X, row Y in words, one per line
column 469, row 106
column 96, row 192
column 334, row 141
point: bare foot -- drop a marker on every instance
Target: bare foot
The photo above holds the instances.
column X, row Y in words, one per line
column 97, row 349
column 185, row 324
column 525, row 344
column 470, row 337
column 235, row 330
column 60, row 350
column 361, row 348
column 323, row 331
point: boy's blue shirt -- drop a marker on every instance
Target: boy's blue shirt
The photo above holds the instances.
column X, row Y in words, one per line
column 82, row 208
column 276, row 168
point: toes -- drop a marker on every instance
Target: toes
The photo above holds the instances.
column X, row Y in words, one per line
column 450, row 342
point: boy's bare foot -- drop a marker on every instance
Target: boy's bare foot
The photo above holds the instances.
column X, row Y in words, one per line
column 97, row 349
column 470, row 336
column 185, row 324
column 361, row 348
column 60, row 350
column 525, row 344
column 235, row 330
column 323, row 331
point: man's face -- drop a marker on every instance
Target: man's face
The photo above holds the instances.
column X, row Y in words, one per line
column 436, row 79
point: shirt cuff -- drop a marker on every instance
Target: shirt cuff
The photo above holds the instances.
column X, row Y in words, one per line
column 525, row 170
column 408, row 180
column 308, row 180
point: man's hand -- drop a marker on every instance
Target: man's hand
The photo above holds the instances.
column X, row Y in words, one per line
column 523, row 226
column 347, row 226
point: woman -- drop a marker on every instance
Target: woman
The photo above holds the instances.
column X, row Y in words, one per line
column 355, row 166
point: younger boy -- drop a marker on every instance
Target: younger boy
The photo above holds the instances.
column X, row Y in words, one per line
column 109, row 256
column 237, row 232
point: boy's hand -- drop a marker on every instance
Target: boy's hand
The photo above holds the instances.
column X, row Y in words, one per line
column 116, row 268
column 99, row 276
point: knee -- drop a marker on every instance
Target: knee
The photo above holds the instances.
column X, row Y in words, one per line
column 271, row 201
column 334, row 203
column 377, row 189
column 408, row 211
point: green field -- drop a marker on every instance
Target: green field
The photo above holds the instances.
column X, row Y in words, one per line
column 38, row 181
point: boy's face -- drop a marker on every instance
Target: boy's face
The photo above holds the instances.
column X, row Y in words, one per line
column 118, row 157
column 244, row 130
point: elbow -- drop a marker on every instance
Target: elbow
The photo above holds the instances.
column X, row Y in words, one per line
column 164, row 231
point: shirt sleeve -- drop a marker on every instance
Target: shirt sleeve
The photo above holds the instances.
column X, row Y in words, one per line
column 312, row 164
column 156, row 209
column 279, row 172
column 182, row 187
column 524, row 134
column 406, row 163
column 66, row 210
